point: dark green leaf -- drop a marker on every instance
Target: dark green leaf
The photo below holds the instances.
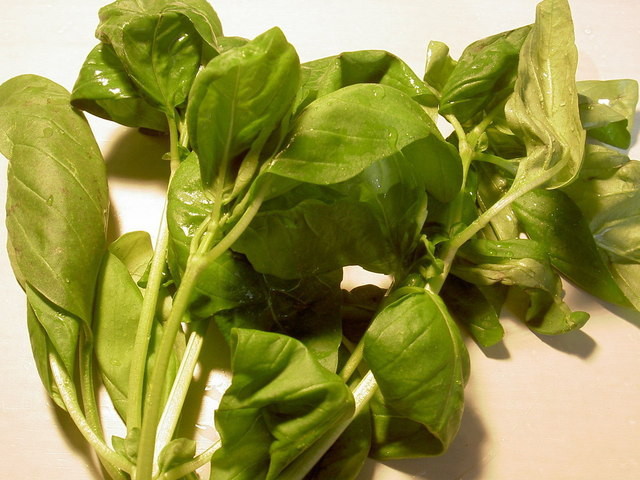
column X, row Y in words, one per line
column 483, row 75
column 279, row 403
column 57, row 193
column 104, row 89
column 552, row 219
column 607, row 108
column 544, row 107
column 471, row 308
column 421, row 364
column 241, row 95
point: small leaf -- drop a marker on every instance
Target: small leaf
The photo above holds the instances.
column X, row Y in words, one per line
column 175, row 453
column 439, row 65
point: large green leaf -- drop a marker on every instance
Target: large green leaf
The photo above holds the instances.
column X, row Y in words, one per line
column 104, row 89
column 421, row 364
column 607, row 108
column 544, row 107
column 483, row 75
column 57, row 198
column 373, row 219
column 339, row 135
column 552, row 219
column 281, row 400
column 241, row 95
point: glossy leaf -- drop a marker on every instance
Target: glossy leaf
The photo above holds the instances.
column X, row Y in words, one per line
column 342, row 133
column 483, row 75
column 57, row 193
column 161, row 54
column 116, row 15
column 279, row 403
column 421, row 364
column 544, row 107
column 607, row 110
column 552, row 219
column 240, row 95
column 104, row 89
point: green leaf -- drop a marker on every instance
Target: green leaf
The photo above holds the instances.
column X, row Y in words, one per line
column 326, row 75
column 439, row 65
column 135, row 251
column 342, row 133
column 57, row 198
column 347, row 455
column 524, row 265
column 544, row 107
column 175, row 453
column 421, row 364
column 104, row 89
column 552, row 219
column 161, row 54
column 306, row 309
column 607, row 108
column 472, row 309
column 373, row 219
column 241, row 95
column 115, row 16
column 483, row 75
column 279, row 403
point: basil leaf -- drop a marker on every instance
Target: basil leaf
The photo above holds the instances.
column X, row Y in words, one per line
column 342, row 133
column 544, row 107
column 524, row 265
column 439, row 65
column 57, row 194
column 240, row 95
column 552, row 219
column 607, row 108
column 421, row 364
column 483, row 75
column 116, row 15
column 326, row 75
column 279, row 403
column 162, row 56
column 472, row 309
column 104, row 89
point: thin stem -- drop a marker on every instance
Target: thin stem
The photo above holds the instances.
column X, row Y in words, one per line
column 173, row 407
column 354, row 360
column 191, row 466
column 67, row 392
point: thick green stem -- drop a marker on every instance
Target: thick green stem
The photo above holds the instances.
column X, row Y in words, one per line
column 67, row 392
column 149, row 305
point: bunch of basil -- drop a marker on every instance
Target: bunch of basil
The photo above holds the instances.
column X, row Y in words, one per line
column 281, row 175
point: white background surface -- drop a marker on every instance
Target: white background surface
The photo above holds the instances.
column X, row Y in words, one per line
column 565, row 408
